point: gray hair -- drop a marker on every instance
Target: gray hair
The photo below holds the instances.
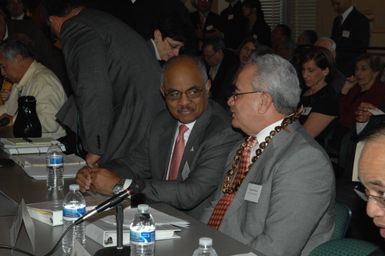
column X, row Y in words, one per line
column 332, row 45
column 278, row 77
column 17, row 46
column 196, row 60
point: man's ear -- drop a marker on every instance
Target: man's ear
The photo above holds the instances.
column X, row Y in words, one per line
column 265, row 103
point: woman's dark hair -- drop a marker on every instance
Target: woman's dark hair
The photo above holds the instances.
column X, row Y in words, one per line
column 258, row 8
column 322, row 57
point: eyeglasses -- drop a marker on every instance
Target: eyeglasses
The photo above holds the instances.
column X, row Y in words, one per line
column 192, row 93
column 236, row 95
column 364, row 195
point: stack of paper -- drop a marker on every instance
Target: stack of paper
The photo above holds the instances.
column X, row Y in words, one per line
column 17, row 146
column 35, row 165
column 103, row 231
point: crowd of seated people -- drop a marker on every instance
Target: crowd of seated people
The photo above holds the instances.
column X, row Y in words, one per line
column 112, row 76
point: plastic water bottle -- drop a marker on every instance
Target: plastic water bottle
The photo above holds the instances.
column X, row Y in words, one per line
column 142, row 233
column 205, row 247
column 74, row 206
column 55, row 161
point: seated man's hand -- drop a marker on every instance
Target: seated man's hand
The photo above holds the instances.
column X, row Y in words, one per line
column 83, row 178
column 92, row 160
column 103, row 180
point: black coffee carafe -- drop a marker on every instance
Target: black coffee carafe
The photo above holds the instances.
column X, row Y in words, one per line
column 27, row 123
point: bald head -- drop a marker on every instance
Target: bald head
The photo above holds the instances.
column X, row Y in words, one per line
column 185, row 88
column 327, row 43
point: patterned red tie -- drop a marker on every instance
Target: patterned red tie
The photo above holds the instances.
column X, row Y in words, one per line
column 177, row 154
column 223, row 203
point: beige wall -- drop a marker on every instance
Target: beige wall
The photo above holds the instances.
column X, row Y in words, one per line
column 374, row 9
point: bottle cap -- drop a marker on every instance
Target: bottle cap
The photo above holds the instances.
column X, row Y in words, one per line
column 74, row 187
column 143, row 207
column 205, row 241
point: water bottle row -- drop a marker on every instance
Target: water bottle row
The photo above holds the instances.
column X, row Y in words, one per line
column 142, row 228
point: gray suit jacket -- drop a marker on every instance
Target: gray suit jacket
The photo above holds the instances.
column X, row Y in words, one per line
column 115, row 80
column 202, row 165
column 295, row 211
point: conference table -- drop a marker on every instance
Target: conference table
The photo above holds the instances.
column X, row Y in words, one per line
column 16, row 185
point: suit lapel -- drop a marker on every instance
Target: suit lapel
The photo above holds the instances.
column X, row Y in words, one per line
column 195, row 138
column 166, row 139
column 258, row 171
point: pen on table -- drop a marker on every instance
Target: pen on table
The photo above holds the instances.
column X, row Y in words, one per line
column 27, row 139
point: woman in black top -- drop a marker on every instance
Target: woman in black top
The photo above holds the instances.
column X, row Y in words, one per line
column 320, row 106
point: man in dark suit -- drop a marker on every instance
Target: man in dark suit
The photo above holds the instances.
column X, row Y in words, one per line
column 206, row 22
column 351, row 32
column 114, row 77
column 235, row 25
column 271, row 198
column 222, row 64
column 208, row 140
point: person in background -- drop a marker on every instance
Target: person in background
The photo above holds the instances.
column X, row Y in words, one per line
column 186, row 184
column 222, row 65
column 277, row 166
column 351, row 32
column 281, row 41
column 235, row 25
column 257, row 26
column 250, row 45
column 206, row 22
column 16, row 10
column 114, row 77
column 31, row 78
column 319, row 100
column 339, row 79
column 307, row 37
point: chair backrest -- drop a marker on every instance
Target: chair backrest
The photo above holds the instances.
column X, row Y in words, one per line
column 344, row 247
column 343, row 216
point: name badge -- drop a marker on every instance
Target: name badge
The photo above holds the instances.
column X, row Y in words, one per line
column 230, row 17
column 346, row 33
column 209, row 27
column 253, row 192
column 306, row 111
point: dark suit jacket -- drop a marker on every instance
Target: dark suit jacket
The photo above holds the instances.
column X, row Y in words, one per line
column 352, row 39
column 213, row 20
column 202, row 164
column 115, row 79
column 222, row 86
column 295, row 210
column 235, row 25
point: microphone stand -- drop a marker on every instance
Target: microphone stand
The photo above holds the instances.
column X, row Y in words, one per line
column 119, row 250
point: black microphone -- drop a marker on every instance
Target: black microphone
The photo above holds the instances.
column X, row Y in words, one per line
column 134, row 188
column 5, row 121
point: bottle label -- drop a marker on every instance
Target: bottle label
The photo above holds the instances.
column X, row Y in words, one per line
column 55, row 160
column 142, row 237
column 73, row 213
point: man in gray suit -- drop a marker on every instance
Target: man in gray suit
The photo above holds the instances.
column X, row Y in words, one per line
column 114, row 77
column 208, row 140
column 278, row 195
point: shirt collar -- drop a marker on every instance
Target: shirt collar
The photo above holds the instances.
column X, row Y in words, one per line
column 189, row 125
column 346, row 13
column 266, row 131
column 156, row 50
column 26, row 77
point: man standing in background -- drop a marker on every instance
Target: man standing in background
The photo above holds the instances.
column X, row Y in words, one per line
column 351, row 32
column 114, row 77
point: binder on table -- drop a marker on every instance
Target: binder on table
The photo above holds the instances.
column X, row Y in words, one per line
column 16, row 146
